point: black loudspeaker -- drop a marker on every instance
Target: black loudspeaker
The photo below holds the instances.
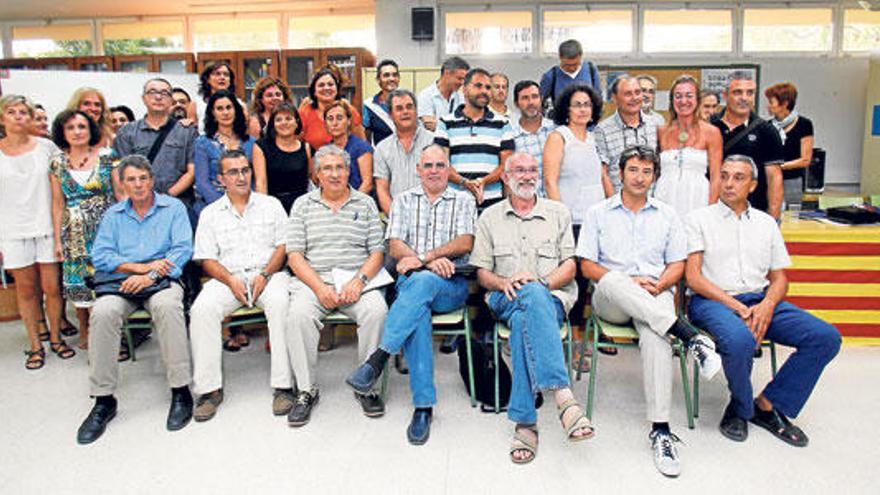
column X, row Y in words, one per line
column 423, row 24
column 816, row 172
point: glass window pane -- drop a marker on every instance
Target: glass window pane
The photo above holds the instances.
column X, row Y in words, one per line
column 136, row 38
column 787, row 30
column 57, row 40
column 488, row 32
column 599, row 31
column 241, row 33
column 332, row 31
column 861, row 30
column 688, row 30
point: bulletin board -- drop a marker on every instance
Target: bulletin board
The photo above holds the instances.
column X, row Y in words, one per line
column 708, row 76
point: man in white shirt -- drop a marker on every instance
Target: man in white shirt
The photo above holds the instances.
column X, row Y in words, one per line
column 735, row 267
column 240, row 243
column 442, row 98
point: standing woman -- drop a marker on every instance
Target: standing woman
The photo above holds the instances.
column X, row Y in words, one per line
column 40, row 122
column 689, row 146
column 269, row 92
column 282, row 161
column 119, row 116
column 214, row 77
column 26, row 236
column 225, row 129
column 83, row 183
column 91, row 102
column 797, row 138
column 324, row 91
column 337, row 121
column 710, row 101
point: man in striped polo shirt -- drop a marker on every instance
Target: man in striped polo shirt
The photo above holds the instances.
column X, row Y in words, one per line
column 430, row 233
column 477, row 140
column 334, row 226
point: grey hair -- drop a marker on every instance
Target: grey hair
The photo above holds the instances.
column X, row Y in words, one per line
column 501, row 74
column 139, row 162
column 453, row 64
column 519, row 157
column 401, row 93
column 617, row 82
column 11, row 99
column 570, row 49
column 743, row 159
column 432, row 146
column 332, row 149
column 162, row 80
column 646, row 77
column 740, row 75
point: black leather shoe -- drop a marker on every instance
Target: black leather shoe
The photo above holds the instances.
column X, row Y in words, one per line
column 732, row 426
column 302, row 409
column 180, row 412
column 95, row 423
column 420, row 427
column 400, row 364
column 371, row 403
column 363, row 378
column 449, row 344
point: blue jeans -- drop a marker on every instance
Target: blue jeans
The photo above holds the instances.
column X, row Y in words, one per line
column 534, row 318
column 816, row 343
column 408, row 326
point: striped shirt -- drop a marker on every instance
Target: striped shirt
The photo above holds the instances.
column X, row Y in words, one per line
column 474, row 146
column 613, row 136
column 328, row 240
column 424, row 226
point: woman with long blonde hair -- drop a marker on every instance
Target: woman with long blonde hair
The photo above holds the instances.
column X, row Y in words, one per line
column 92, row 102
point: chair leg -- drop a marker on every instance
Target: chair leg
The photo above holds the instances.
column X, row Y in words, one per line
column 582, row 350
column 495, row 360
column 383, row 389
column 129, row 341
column 591, row 388
column 467, row 346
column 696, row 389
column 568, row 346
column 682, row 360
column 773, row 358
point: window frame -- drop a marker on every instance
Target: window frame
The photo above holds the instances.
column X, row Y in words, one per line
column 633, row 8
column 734, row 39
column 457, row 9
column 836, row 19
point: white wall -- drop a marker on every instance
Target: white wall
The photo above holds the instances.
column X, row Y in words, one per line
column 832, row 91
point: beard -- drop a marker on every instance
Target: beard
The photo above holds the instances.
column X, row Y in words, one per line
column 178, row 113
column 524, row 189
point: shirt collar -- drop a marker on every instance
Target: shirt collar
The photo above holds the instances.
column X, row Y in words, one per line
column 226, row 203
column 159, row 201
column 448, row 193
column 621, row 124
column 316, row 197
column 546, row 125
column 487, row 114
column 539, row 210
column 727, row 212
column 616, row 201
column 572, row 74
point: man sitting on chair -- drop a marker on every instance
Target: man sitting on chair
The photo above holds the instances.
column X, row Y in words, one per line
column 333, row 226
column 633, row 249
column 240, row 243
column 524, row 252
column 430, row 233
column 148, row 238
column 735, row 266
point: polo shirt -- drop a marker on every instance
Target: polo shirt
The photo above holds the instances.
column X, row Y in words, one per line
column 175, row 154
column 377, row 119
column 432, row 103
column 396, row 165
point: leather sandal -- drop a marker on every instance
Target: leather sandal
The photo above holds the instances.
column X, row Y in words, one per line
column 780, row 426
column 575, row 422
column 43, row 336
column 35, row 359
column 524, row 443
column 61, row 349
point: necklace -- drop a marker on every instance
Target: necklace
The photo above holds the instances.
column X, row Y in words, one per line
column 82, row 162
column 682, row 135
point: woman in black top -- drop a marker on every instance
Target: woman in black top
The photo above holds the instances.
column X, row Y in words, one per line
column 282, row 159
column 797, row 138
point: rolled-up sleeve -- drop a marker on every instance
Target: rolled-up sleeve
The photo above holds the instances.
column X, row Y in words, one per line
column 181, row 249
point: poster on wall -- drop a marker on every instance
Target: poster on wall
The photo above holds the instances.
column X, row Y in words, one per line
column 716, row 79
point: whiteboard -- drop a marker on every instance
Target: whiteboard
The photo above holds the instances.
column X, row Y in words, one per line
column 53, row 89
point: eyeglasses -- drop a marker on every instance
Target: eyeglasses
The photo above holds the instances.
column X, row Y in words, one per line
column 164, row 93
column 581, row 104
column 235, row 172
column 434, row 165
column 524, row 171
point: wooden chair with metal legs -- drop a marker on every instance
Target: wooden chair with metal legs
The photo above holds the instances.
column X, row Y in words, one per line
column 503, row 332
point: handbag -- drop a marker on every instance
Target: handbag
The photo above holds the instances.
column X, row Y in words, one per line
column 108, row 284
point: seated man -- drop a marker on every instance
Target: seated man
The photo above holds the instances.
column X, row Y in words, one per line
column 524, row 252
column 633, row 249
column 240, row 243
column 338, row 227
column 430, row 233
column 735, row 267
column 147, row 237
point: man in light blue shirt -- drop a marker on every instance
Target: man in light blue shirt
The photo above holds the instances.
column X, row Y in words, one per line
column 146, row 238
column 442, row 98
column 633, row 249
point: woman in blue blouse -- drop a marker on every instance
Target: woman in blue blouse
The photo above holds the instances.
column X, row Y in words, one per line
column 225, row 129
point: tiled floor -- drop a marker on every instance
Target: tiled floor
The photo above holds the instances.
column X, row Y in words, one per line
column 245, row 449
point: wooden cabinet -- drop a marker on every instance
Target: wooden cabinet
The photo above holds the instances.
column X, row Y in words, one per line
column 55, row 63
column 94, row 64
column 253, row 66
column 298, row 67
column 166, row 63
column 18, row 63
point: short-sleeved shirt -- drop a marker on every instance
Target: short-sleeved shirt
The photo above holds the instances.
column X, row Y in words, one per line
column 328, row 240
column 241, row 242
column 474, row 147
column 356, row 147
column 25, row 192
column 171, row 162
column 313, row 131
column 613, row 136
column 638, row 244
column 533, row 144
column 432, row 103
column 791, row 148
column 656, row 117
column 762, row 144
column 377, row 120
column 537, row 243
column 393, row 163
column 738, row 252
column 424, row 226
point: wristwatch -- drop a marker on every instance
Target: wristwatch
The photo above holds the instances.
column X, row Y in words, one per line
column 363, row 278
column 265, row 275
column 543, row 281
column 423, row 259
column 153, row 274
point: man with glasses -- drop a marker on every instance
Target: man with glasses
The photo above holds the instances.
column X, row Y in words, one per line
column 649, row 92
column 524, row 254
column 334, row 235
column 146, row 240
column 627, row 127
column 377, row 121
column 166, row 144
column 430, row 233
column 632, row 247
column 240, row 244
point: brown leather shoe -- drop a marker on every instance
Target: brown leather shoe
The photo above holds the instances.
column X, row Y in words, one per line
column 282, row 401
column 206, row 406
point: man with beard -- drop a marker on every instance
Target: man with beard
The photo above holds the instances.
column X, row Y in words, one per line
column 378, row 123
column 477, row 140
column 524, row 254
column 181, row 102
column 531, row 130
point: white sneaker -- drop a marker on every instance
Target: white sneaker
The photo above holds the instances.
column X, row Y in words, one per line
column 702, row 349
column 665, row 454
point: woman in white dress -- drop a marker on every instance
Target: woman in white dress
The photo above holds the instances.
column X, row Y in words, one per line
column 689, row 148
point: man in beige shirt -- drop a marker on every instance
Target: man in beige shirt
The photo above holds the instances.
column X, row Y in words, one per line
column 524, row 252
